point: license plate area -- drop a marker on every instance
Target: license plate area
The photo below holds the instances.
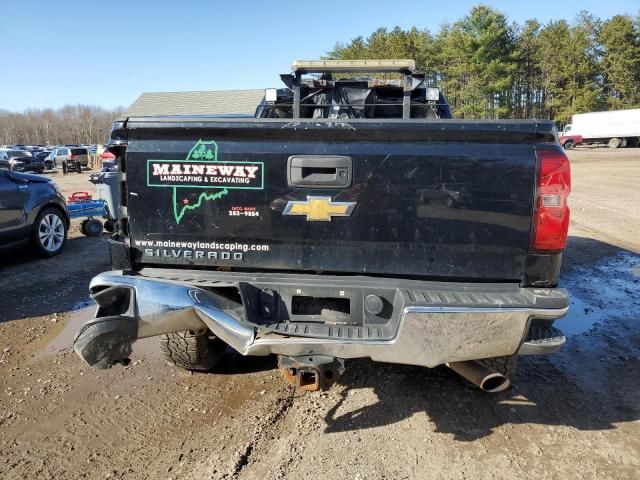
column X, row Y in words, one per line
column 318, row 302
column 270, row 303
column 325, row 309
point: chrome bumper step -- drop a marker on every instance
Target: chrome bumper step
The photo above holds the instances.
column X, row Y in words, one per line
column 542, row 340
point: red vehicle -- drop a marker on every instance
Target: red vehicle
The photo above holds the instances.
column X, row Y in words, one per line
column 570, row 141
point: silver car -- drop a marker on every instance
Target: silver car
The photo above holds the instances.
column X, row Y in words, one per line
column 66, row 156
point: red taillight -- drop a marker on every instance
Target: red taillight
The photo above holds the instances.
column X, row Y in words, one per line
column 551, row 214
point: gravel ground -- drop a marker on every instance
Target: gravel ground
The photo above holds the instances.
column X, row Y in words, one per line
column 572, row 415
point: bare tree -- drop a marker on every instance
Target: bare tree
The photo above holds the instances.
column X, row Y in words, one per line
column 69, row 124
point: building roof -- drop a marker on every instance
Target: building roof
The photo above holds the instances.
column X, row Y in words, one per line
column 196, row 103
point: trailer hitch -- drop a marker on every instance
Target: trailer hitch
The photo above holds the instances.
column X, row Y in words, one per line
column 311, row 372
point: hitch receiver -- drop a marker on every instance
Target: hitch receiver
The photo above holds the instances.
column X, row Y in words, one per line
column 311, row 372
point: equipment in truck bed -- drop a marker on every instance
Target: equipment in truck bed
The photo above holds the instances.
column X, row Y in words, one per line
column 322, row 96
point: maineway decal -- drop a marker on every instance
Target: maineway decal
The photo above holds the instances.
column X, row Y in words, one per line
column 202, row 169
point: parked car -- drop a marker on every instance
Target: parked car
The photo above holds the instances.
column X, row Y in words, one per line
column 19, row 161
column 71, row 158
column 50, row 161
column 32, row 211
column 351, row 262
column 36, row 165
column 43, row 157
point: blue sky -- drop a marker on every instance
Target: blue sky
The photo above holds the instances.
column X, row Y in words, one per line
column 107, row 53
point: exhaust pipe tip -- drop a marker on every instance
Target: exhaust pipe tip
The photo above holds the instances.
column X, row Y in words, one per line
column 484, row 378
column 494, row 383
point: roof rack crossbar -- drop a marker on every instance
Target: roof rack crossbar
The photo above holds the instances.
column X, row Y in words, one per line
column 353, row 66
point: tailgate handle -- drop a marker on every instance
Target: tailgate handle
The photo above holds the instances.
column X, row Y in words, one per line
column 319, row 171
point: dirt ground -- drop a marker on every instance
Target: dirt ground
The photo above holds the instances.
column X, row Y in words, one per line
column 572, row 415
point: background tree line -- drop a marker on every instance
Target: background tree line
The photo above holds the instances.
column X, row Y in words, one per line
column 69, row 124
column 489, row 67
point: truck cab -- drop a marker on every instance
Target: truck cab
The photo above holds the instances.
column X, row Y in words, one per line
column 567, row 140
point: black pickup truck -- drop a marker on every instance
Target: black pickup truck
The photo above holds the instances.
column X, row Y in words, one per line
column 349, row 218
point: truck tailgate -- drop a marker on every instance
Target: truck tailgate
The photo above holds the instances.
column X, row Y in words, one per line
column 443, row 199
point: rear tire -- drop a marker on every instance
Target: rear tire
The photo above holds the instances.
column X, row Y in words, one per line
column 192, row 352
column 614, row 143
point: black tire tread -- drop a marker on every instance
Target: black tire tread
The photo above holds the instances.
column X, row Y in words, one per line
column 192, row 352
column 97, row 225
column 83, row 229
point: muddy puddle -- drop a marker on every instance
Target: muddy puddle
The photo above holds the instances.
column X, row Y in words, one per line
column 603, row 293
column 603, row 325
column 72, row 323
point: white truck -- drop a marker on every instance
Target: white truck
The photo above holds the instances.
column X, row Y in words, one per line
column 616, row 128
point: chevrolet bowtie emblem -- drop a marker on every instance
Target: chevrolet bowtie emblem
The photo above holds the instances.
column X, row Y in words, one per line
column 319, row 209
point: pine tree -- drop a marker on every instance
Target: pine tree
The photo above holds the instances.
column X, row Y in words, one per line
column 476, row 57
column 489, row 68
column 568, row 65
column 620, row 61
column 528, row 90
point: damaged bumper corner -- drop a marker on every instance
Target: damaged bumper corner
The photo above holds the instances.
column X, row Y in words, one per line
column 103, row 342
column 131, row 308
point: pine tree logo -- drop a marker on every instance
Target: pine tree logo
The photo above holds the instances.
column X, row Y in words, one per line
column 200, row 151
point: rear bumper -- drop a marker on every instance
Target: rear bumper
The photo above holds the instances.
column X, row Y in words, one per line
column 432, row 324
